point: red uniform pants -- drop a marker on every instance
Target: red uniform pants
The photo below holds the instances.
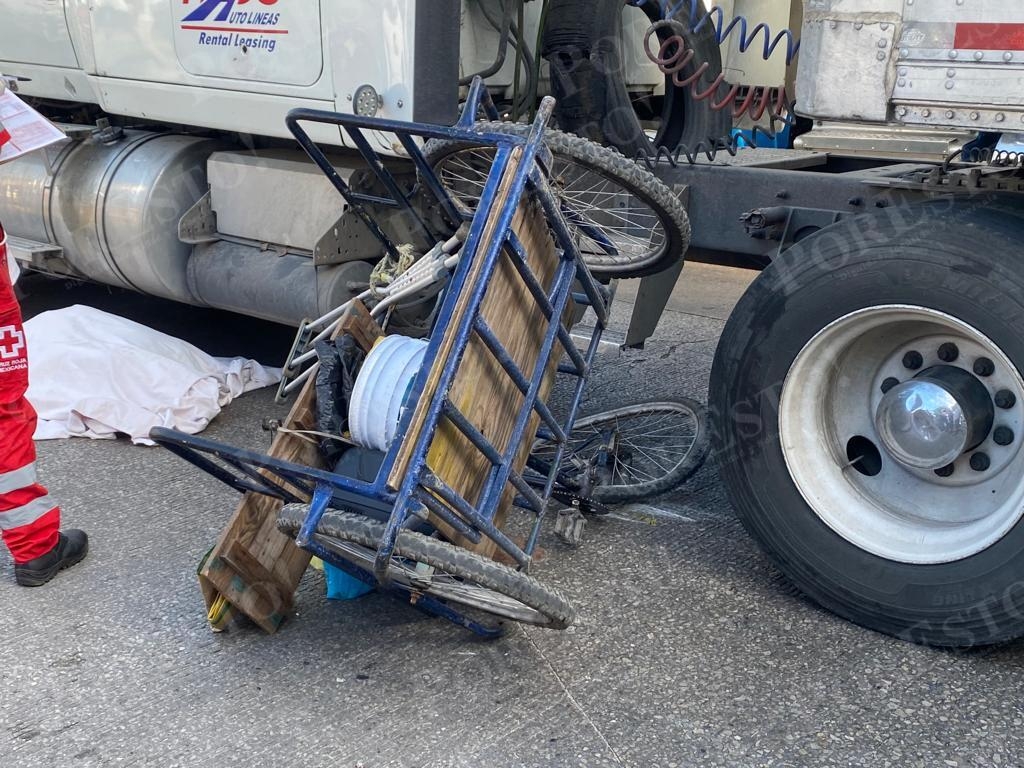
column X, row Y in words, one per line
column 29, row 520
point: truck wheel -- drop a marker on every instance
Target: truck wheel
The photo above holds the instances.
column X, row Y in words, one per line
column 582, row 42
column 868, row 417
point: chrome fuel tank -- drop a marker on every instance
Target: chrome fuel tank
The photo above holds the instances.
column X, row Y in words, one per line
column 113, row 208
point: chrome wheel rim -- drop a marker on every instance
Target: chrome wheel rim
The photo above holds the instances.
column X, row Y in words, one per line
column 832, row 431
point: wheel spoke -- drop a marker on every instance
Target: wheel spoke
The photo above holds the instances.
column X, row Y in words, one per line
column 650, row 444
column 613, row 226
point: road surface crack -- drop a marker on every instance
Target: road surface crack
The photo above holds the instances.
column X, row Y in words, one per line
column 572, row 700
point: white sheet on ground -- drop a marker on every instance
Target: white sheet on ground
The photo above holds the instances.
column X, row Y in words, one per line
column 93, row 374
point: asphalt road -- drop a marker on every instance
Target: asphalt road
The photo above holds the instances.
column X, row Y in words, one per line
column 689, row 650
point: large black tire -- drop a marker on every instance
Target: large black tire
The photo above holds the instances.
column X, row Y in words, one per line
column 618, row 171
column 552, row 608
column 582, row 40
column 961, row 259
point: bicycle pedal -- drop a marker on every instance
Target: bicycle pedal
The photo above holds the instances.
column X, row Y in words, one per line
column 569, row 525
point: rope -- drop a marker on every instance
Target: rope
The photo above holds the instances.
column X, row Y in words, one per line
column 304, row 434
column 387, row 269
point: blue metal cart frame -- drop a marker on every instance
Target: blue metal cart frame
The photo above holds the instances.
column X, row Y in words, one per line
column 525, row 160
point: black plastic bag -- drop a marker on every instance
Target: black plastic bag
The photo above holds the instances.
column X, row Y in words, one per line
column 340, row 361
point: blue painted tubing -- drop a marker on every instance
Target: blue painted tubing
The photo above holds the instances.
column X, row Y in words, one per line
column 474, row 435
column 565, row 339
column 490, row 259
column 318, row 157
column 577, row 399
column 497, row 349
column 464, row 529
column 570, row 370
column 415, row 488
column 384, row 175
column 470, row 513
column 478, row 97
column 598, row 298
column 563, row 281
column 581, row 298
column 240, row 484
column 444, row 319
column 282, row 492
column 535, row 501
column 518, row 259
column 362, row 197
column 426, row 174
column 501, row 354
column 594, row 294
column 489, row 262
column 318, row 505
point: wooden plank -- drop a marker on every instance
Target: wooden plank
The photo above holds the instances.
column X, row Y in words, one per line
column 359, row 323
column 253, row 527
column 490, row 232
column 253, row 566
column 482, row 390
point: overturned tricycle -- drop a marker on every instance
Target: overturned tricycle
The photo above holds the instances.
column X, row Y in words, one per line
column 442, row 414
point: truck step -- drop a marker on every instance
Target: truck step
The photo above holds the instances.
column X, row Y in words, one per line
column 41, row 257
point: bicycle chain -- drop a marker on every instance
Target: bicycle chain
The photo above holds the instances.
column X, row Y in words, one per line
column 584, row 504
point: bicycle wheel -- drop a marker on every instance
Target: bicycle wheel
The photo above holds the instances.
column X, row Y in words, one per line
column 632, row 453
column 627, row 223
column 454, row 574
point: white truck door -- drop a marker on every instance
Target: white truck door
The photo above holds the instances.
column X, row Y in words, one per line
column 36, row 32
column 231, row 44
column 268, row 41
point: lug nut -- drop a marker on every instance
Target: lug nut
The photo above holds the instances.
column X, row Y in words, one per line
column 912, row 361
column 946, row 471
column 949, row 352
column 1003, row 436
column 984, row 367
column 1005, row 399
column 889, row 383
column 980, row 462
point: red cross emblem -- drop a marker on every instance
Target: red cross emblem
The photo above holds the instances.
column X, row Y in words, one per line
column 12, row 342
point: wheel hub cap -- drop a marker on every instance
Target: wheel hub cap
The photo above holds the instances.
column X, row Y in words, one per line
column 927, row 422
column 922, row 425
column 907, row 448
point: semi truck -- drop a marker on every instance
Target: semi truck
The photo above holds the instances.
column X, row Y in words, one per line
column 867, row 396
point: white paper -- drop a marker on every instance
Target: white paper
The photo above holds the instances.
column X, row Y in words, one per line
column 29, row 130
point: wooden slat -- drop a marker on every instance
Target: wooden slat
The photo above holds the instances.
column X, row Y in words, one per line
column 254, row 566
column 490, row 232
column 481, row 389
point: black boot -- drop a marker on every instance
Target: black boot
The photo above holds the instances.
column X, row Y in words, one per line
column 72, row 547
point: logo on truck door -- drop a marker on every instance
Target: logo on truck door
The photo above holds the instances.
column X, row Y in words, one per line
column 252, row 25
column 256, row 41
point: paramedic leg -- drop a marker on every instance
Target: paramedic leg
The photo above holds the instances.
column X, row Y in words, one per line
column 29, row 519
